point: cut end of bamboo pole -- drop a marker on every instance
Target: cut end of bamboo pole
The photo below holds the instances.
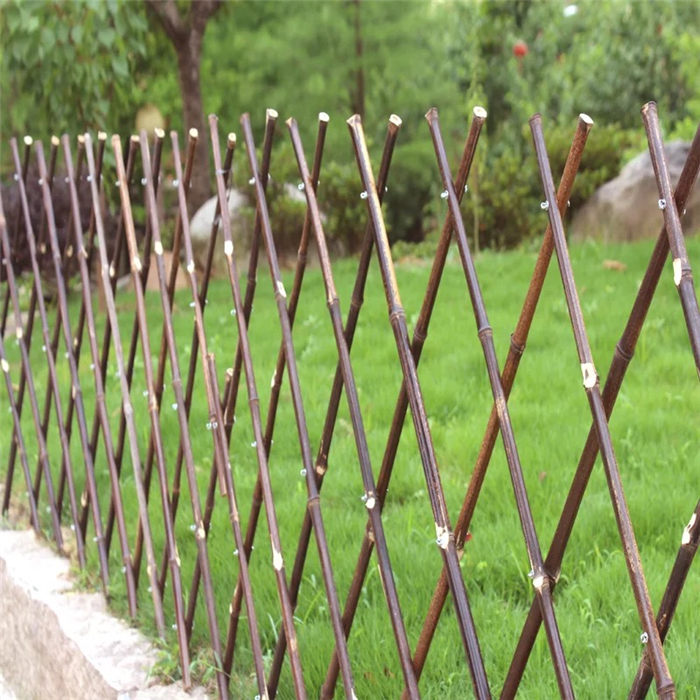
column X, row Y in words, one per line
column 231, row 139
column 28, row 140
column 536, row 118
column 586, row 119
column 396, row 120
column 355, row 120
column 81, row 139
column 271, row 113
column 101, row 135
column 194, row 134
column 323, row 117
column 160, row 133
column 479, row 112
column 135, row 138
column 649, row 107
column 55, row 141
column 431, row 114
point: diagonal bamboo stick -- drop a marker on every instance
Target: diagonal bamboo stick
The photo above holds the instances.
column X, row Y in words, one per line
column 397, row 316
column 419, row 337
column 136, row 270
column 314, row 502
column 28, row 330
column 16, row 231
column 114, row 266
column 216, row 421
column 73, row 368
column 157, row 150
column 682, row 277
column 18, row 436
column 88, row 316
column 162, row 353
column 169, row 338
column 624, row 351
column 540, row 581
column 106, row 280
column 664, row 683
column 257, row 499
column 510, row 368
column 43, row 453
column 370, row 500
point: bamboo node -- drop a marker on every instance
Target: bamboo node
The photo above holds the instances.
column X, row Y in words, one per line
column 677, row 271
column 685, row 539
column 589, row 374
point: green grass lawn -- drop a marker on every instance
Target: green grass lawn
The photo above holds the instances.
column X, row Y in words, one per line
column 655, row 429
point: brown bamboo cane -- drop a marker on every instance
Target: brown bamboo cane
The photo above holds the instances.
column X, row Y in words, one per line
column 257, row 499
column 16, row 231
column 211, row 490
column 254, row 405
column 87, row 315
column 682, row 272
column 664, row 683
column 162, row 353
column 369, row 496
column 75, row 379
column 80, row 327
column 314, row 502
column 66, row 256
column 510, row 367
column 624, row 351
column 114, row 266
column 106, row 279
column 669, row 602
column 419, row 336
column 136, row 270
column 159, row 135
column 682, row 277
column 540, row 581
column 217, row 418
column 18, row 435
column 28, row 327
column 43, row 453
column 444, row 537
column 166, row 304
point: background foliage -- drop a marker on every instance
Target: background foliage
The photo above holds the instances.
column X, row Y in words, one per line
column 88, row 64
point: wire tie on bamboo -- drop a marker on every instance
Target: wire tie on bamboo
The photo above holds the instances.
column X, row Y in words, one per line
column 643, row 637
column 544, row 206
column 363, row 194
column 662, row 204
column 590, row 376
column 442, row 536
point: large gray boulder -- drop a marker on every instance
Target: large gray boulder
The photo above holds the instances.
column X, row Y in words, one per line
column 200, row 230
column 627, row 208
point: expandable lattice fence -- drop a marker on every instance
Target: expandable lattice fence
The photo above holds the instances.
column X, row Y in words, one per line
column 53, row 485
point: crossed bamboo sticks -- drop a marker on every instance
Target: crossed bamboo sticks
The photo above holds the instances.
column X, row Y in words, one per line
column 544, row 572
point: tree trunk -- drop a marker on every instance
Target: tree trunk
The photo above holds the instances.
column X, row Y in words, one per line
column 189, row 52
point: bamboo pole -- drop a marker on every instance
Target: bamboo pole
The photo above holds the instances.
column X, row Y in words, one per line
column 159, row 135
column 18, row 436
column 664, row 683
column 136, row 270
column 27, row 333
column 29, row 378
column 88, row 316
column 369, row 496
column 419, row 337
column 257, row 499
column 314, row 502
column 106, row 279
column 166, row 302
column 444, row 537
column 162, row 353
column 510, row 367
column 624, row 351
column 73, row 368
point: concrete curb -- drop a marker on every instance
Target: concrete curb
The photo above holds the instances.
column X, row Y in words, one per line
column 57, row 643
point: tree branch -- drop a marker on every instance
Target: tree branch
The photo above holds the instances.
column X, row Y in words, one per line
column 169, row 18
